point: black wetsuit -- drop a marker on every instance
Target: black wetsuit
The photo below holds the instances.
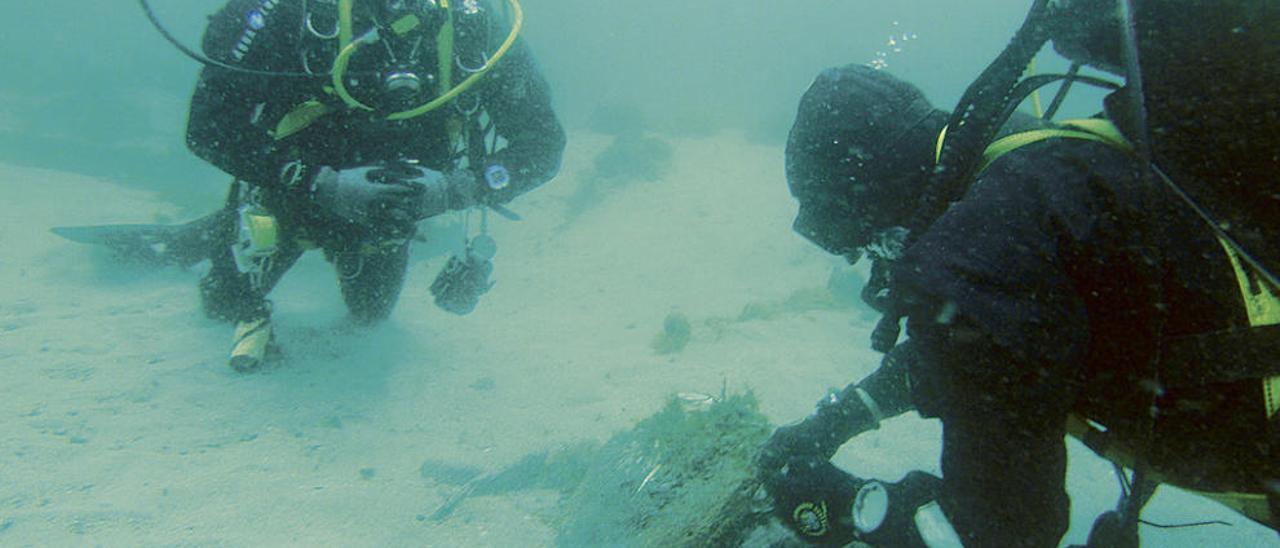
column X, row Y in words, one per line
column 1052, row 288
column 234, row 116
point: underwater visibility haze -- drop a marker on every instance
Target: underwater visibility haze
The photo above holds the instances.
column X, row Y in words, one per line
column 653, row 290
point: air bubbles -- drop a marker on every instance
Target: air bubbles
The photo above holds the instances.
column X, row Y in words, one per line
column 895, row 44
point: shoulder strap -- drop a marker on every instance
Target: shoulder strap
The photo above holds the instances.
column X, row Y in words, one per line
column 1089, row 129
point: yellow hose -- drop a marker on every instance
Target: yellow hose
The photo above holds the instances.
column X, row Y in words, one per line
column 344, row 23
column 340, row 70
column 349, row 46
column 475, row 76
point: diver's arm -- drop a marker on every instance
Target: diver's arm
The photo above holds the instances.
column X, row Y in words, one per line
column 518, row 100
column 220, row 129
column 861, row 406
column 1003, row 456
column 1004, row 460
column 838, row 417
column 225, row 124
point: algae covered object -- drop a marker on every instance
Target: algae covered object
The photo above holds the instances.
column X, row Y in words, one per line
column 682, row 477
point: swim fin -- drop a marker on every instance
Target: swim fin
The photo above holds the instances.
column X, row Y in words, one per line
column 179, row 245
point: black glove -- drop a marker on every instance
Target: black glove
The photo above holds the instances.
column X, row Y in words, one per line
column 814, row 498
column 368, row 195
column 443, row 192
column 837, row 418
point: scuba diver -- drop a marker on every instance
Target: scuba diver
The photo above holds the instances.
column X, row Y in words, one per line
column 344, row 123
column 1110, row 278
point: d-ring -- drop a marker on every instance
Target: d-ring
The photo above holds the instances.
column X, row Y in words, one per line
column 311, row 27
column 469, row 70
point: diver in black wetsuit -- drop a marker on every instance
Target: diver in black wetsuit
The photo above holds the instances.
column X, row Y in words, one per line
column 379, row 114
column 1068, row 290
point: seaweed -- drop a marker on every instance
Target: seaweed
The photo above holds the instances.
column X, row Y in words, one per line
column 679, row 478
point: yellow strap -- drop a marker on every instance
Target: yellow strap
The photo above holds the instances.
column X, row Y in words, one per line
column 300, row 118
column 1271, row 395
column 942, row 138
column 1092, row 129
column 444, row 52
column 1016, row 141
column 1261, row 299
column 1101, row 127
column 405, row 24
column 1262, row 304
column 1102, row 132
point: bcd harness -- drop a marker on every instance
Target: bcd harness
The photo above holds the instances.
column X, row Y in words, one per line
column 308, row 112
column 468, row 128
column 1227, row 356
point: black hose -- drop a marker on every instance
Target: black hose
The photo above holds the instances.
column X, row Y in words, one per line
column 206, row 61
column 976, row 118
column 1184, row 525
column 1061, row 95
column 1029, row 85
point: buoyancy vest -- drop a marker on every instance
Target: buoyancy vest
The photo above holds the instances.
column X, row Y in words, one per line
column 1226, row 356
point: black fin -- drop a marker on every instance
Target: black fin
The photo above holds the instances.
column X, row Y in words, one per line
column 179, row 245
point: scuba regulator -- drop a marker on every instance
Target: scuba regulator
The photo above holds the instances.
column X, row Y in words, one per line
column 401, row 83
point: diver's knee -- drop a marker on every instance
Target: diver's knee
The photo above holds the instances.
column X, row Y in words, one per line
column 371, row 308
column 224, row 300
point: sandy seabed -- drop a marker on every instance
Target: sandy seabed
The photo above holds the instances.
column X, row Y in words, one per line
column 121, row 425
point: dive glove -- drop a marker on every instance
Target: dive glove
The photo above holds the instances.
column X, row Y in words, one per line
column 825, row 505
column 443, row 192
column 837, row 418
column 367, row 195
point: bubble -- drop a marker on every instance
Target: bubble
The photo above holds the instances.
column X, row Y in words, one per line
column 895, row 44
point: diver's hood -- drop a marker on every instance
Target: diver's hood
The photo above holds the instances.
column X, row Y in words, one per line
column 1089, row 32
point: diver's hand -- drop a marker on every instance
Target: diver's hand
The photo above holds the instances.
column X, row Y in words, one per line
column 443, row 192
column 811, row 437
column 814, row 498
column 836, row 418
column 369, row 194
